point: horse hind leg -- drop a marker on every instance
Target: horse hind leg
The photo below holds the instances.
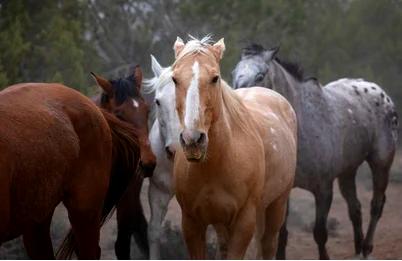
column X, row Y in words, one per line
column 5, row 181
column 84, row 209
column 275, row 216
column 380, row 161
column 323, row 200
column 283, row 238
column 347, row 186
column 37, row 240
column 380, row 171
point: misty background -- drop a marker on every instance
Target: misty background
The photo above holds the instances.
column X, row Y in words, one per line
column 62, row 41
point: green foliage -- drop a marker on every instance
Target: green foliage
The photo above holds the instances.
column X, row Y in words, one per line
column 44, row 42
column 54, row 40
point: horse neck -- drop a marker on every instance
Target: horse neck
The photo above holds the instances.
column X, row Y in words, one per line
column 284, row 83
column 222, row 129
column 301, row 95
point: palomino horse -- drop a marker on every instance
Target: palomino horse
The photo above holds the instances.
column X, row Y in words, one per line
column 123, row 98
column 341, row 125
column 57, row 146
column 237, row 160
column 164, row 139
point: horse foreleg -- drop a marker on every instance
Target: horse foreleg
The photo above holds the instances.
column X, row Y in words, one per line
column 347, row 186
column 159, row 201
column 140, row 224
column 380, row 182
column 223, row 236
column 283, row 237
column 323, row 200
column 131, row 221
column 37, row 241
column 124, row 232
column 194, row 235
column 241, row 232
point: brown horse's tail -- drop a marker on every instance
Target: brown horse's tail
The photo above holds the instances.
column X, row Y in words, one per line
column 126, row 157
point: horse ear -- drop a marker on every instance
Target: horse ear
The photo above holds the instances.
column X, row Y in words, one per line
column 243, row 53
column 219, row 48
column 138, row 77
column 156, row 67
column 178, row 46
column 104, row 84
column 271, row 53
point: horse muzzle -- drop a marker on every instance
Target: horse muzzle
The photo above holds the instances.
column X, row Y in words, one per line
column 194, row 144
column 170, row 152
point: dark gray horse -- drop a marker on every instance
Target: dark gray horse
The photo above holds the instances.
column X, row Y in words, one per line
column 340, row 126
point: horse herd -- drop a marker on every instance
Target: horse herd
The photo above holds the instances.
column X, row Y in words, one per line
column 230, row 155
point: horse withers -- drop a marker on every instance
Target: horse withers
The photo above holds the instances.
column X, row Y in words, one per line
column 340, row 126
column 236, row 163
column 123, row 98
column 57, row 146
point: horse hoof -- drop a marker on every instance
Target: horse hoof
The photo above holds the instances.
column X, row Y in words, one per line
column 324, row 256
column 367, row 249
column 358, row 256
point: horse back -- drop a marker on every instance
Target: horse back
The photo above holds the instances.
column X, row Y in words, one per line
column 45, row 130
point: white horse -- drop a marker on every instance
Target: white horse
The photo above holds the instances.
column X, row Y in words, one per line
column 164, row 140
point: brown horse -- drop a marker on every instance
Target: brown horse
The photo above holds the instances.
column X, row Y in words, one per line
column 237, row 161
column 57, row 146
column 123, row 98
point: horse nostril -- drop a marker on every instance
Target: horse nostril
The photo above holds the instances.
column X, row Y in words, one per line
column 182, row 139
column 170, row 152
column 192, row 138
column 201, row 138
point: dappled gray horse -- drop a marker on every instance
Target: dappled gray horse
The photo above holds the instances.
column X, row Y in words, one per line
column 340, row 126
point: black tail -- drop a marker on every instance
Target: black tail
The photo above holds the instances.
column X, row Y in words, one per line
column 126, row 157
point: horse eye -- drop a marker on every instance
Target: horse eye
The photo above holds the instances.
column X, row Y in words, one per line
column 215, row 79
column 259, row 77
column 174, row 80
column 157, row 102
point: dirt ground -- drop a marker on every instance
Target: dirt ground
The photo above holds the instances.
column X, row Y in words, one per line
column 387, row 242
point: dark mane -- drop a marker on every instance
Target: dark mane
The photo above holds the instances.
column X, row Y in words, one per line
column 293, row 68
column 253, row 49
column 124, row 88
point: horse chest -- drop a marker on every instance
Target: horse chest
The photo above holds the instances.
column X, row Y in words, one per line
column 214, row 205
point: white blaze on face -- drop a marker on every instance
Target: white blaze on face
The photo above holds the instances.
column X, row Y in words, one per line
column 191, row 114
column 135, row 103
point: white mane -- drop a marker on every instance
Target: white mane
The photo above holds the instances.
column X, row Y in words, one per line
column 151, row 85
column 195, row 46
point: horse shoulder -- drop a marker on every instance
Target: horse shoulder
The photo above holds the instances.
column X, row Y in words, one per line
column 277, row 123
column 268, row 107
